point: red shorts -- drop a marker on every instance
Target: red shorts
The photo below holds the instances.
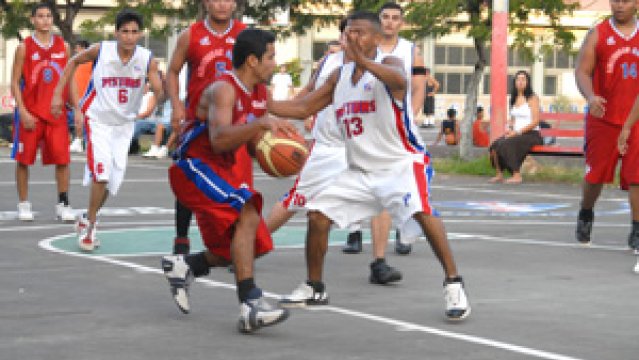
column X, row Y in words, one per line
column 602, row 154
column 216, row 220
column 52, row 138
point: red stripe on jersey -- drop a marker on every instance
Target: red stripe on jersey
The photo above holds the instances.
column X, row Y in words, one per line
column 88, row 101
column 419, row 170
column 401, row 129
column 90, row 157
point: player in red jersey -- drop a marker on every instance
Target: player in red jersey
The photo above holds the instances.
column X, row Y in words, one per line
column 206, row 48
column 38, row 64
column 213, row 176
column 607, row 76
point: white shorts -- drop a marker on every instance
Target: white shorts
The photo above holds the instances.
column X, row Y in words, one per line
column 356, row 195
column 107, row 153
column 322, row 167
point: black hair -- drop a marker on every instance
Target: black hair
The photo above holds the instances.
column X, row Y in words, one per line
column 480, row 108
column 342, row 25
column 451, row 113
column 85, row 44
column 366, row 15
column 39, row 6
column 251, row 42
column 391, row 5
column 528, row 91
column 126, row 16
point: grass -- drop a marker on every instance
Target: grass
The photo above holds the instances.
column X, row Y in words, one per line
column 481, row 167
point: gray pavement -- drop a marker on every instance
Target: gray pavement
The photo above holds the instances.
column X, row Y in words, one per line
column 535, row 293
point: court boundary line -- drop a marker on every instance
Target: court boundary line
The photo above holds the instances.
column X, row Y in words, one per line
column 477, row 340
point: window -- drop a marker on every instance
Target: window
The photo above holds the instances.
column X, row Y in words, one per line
column 550, row 85
column 559, row 59
column 486, row 84
column 453, row 83
column 470, row 56
column 319, row 48
column 441, row 78
column 455, row 55
column 440, row 55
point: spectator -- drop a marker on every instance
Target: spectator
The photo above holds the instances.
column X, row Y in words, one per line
column 432, row 86
column 162, row 123
column 450, row 129
column 82, row 77
column 509, row 151
column 481, row 136
column 282, row 84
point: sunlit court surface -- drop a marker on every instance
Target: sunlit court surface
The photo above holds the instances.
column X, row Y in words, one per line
column 535, row 292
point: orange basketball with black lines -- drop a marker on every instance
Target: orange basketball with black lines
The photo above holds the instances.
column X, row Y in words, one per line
column 281, row 154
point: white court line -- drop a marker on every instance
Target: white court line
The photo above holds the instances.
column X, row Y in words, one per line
column 523, row 193
column 478, row 340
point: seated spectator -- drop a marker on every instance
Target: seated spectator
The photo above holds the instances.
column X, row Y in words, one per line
column 481, row 137
column 509, row 151
column 450, row 129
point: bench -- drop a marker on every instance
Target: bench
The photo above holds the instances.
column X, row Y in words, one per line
column 564, row 126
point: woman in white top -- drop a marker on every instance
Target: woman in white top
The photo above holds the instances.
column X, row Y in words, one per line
column 509, row 151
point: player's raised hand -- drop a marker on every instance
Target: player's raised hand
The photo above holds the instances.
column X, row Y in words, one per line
column 352, row 49
column 622, row 140
column 597, row 106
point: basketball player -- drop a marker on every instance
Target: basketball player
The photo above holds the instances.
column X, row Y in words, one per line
column 213, row 176
column 110, row 107
column 392, row 19
column 326, row 160
column 607, row 77
column 386, row 163
column 37, row 67
column 205, row 47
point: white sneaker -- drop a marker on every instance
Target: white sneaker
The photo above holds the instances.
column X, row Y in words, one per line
column 153, row 151
column 64, row 213
column 457, row 306
column 87, row 240
column 76, row 146
column 304, row 295
column 24, row 211
column 180, row 277
column 257, row 313
column 162, row 152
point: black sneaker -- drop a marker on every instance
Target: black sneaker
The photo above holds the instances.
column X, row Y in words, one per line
column 401, row 248
column 633, row 240
column 584, row 228
column 382, row 273
column 354, row 243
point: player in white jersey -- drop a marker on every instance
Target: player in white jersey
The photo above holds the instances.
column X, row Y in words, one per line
column 110, row 106
column 392, row 19
column 386, row 162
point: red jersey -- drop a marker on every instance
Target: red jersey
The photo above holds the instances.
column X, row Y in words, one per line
column 41, row 72
column 235, row 166
column 615, row 77
column 208, row 56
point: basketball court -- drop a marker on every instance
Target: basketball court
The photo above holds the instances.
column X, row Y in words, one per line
column 535, row 293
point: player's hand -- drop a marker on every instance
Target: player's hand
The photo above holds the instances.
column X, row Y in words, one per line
column 28, row 120
column 352, row 50
column 57, row 105
column 597, row 106
column 178, row 113
column 276, row 124
column 622, row 140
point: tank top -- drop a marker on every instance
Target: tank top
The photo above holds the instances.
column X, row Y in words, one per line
column 616, row 72
column 235, row 164
column 41, row 71
column 209, row 55
column 116, row 89
column 522, row 116
column 325, row 131
column 376, row 129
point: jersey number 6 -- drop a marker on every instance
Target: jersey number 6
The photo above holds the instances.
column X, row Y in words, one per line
column 123, row 96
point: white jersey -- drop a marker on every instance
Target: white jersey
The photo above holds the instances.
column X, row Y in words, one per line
column 116, row 89
column 405, row 50
column 325, row 131
column 376, row 130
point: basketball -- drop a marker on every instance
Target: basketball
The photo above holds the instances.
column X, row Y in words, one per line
column 281, row 154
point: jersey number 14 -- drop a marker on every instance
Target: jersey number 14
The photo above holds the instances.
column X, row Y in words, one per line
column 629, row 70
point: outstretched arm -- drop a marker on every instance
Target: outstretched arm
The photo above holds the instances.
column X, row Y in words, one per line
column 309, row 104
column 87, row 55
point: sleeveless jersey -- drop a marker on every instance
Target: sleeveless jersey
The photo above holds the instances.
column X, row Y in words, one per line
column 41, row 72
column 236, row 164
column 377, row 132
column 325, row 130
column 404, row 50
column 116, row 89
column 208, row 56
column 616, row 72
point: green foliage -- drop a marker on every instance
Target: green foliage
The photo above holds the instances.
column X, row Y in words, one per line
column 294, row 67
column 14, row 17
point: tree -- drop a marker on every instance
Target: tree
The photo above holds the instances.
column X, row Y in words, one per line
column 14, row 17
